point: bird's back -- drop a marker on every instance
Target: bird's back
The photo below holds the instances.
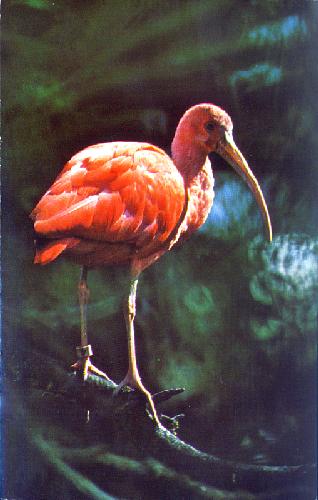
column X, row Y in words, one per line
column 110, row 202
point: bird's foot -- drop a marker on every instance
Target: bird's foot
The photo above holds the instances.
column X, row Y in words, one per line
column 84, row 364
column 136, row 383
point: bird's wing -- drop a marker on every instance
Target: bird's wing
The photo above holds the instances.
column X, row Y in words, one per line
column 116, row 192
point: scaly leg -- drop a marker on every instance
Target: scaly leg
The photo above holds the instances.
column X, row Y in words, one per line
column 132, row 378
column 84, row 351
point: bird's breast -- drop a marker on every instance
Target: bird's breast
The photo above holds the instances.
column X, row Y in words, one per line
column 200, row 200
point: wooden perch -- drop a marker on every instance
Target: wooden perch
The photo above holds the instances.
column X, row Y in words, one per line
column 125, row 418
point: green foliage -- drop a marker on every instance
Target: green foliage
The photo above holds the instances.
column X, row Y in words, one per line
column 286, row 281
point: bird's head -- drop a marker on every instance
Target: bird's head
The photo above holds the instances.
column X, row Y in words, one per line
column 206, row 128
column 204, row 125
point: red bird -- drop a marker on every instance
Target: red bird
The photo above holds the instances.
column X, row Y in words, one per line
column 129, row 203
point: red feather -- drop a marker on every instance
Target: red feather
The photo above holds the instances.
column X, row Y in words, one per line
column 127, row 193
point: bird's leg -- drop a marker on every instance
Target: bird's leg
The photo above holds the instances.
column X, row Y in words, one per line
column 133, row 378
column 83, row 296
column 84, row 351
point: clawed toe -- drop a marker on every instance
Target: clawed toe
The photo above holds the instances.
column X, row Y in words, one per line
column 95, row 371
column 84, row 364
column 136, row 384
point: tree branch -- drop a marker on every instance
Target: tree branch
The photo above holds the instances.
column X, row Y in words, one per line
column 126, row 417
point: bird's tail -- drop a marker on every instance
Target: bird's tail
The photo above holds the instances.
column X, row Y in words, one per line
column 48, row 250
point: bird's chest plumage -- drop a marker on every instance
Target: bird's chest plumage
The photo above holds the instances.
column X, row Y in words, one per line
column 200, row 200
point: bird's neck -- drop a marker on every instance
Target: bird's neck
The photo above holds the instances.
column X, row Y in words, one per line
column 189, row 158
column 195, row 168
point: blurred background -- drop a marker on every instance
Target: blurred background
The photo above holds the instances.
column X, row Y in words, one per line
column 228, row 316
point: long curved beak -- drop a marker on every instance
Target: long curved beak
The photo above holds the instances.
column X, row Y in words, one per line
column 232, row 155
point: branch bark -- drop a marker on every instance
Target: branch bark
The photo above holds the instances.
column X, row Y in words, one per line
column 129, row 435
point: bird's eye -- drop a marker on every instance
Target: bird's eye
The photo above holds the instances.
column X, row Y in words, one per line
column 210, row 126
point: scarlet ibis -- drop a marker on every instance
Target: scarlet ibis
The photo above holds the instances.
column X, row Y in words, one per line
column 129, row 203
